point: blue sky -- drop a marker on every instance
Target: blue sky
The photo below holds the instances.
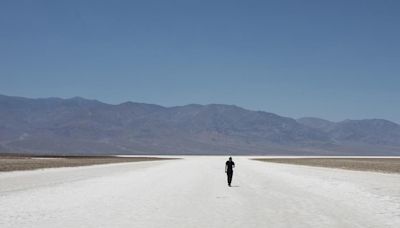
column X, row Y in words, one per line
column 330, row 59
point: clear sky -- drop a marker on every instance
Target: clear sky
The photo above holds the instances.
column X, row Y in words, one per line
column 331, row 59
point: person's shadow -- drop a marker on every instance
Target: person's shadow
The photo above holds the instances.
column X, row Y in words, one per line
column 235, row 186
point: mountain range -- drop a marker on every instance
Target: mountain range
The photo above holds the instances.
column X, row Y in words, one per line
column 58, row 126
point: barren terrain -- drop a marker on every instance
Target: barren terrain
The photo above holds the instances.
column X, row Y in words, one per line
column 13, row 163
column 390, row 165
column 192, row 192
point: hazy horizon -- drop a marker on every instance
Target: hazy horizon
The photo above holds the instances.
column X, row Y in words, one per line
column 124, row 113
column 333, row 60
column 171, row 106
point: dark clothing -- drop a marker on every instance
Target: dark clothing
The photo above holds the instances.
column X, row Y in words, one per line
column 230, row 175
column 229, row 165
column 229, row 170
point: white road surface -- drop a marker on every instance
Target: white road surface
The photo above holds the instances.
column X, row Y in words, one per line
column 192, row 192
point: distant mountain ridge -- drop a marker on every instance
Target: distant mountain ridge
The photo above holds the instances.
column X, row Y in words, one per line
column 82, row 126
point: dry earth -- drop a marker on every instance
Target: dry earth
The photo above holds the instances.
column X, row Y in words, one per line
column 14, row 163
column 389, row 165
column 192, row 192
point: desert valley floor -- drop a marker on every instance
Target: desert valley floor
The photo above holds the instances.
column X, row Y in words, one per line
column 192, row 192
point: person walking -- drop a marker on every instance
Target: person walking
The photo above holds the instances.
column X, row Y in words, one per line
column 229, row 165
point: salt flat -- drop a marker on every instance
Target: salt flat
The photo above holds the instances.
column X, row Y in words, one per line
column 192, row 192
